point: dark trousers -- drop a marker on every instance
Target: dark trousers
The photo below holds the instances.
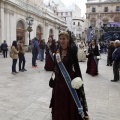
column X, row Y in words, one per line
column 34, row 56
column 109, row 60
column 14, row 65
column 115, row 71
column 5, row 53
column 21, row 61
column 23, row 65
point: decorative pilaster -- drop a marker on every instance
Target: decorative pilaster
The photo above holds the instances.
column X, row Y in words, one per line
column 8, row 29
column 56, row 31
column 46, row 31
column 2, row 25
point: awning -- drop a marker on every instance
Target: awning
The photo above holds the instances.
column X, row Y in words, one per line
column 114, row 23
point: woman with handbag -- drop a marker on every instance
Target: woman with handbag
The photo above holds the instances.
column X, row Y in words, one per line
column 62, row 102
column 50, row 49
column 15, row 52
column 93, row 59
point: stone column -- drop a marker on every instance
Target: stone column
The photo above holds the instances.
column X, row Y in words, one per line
column 12, row 27
column 11, row 37
column 14, row 23
column 46, row 31
column 56, row 32
column 8, row 29
column 2, row 25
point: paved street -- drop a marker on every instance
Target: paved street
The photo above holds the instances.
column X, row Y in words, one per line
column 26, row 96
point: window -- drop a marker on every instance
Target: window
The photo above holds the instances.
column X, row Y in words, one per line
column 93, row 22
column 78, row 23
column 106, row 9
column 65, row 18
column 93, row 10
column 66, row 13
column 61, row 13
column 117, row 8
column 73, row 23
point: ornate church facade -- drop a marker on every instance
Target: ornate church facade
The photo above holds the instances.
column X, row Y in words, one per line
column 99, row 12
column 13, row 24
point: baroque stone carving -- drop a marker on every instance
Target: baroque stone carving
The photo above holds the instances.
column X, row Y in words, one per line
column 27, row 7
column 46, row 23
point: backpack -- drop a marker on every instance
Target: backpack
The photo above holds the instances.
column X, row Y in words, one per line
column 11, row 53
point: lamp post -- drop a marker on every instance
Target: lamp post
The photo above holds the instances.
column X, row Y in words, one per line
column 29, row 21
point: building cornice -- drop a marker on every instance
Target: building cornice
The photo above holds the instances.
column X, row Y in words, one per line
column 46, row 15
column 78, row 19
column 99, row 3
column 25, row 6
column 91, row 13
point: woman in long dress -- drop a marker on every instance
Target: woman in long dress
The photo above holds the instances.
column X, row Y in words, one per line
column 93, row 58
column 81, row 52
column 49, row 63
column 62, row 103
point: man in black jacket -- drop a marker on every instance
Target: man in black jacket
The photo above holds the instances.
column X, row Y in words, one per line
column 111, row 49
column 116, row 61
column 4, row 48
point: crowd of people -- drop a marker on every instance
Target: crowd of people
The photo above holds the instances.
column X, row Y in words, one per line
column 70, row 55
column 17, row 51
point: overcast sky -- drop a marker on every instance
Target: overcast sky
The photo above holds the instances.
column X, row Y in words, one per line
column 80, row 3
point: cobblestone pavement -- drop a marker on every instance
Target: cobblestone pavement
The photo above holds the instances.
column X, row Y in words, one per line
column 26, row 96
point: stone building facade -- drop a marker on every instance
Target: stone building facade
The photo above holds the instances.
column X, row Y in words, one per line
column 98, row 13
column 71, row 14
column 13, row 26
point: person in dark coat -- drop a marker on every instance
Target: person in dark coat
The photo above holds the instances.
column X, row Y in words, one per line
column 93, row 58
column 4, row 48
column 21, row 56
column 111, row 49
column 49, row 63
column 35, row 47
column 116, row 61
column 62, row 103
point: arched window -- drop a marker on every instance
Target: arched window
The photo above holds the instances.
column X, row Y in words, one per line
column 117, row 19
column 105, row 20
column 39, row 29
column 20, row 25
column 51, row 32
column 93, row 22
column 20, row 31
column 39, row 32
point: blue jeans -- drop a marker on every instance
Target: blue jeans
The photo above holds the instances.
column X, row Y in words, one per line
column 105, row 50
column 34, row 57
column 41, row 54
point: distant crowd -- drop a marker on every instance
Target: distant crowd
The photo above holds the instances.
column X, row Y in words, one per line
column 39, row 49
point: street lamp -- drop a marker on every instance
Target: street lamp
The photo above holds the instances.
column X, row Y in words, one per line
column 29, row 21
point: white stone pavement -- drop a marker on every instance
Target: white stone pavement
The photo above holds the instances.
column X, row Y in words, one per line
column 26, row 96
